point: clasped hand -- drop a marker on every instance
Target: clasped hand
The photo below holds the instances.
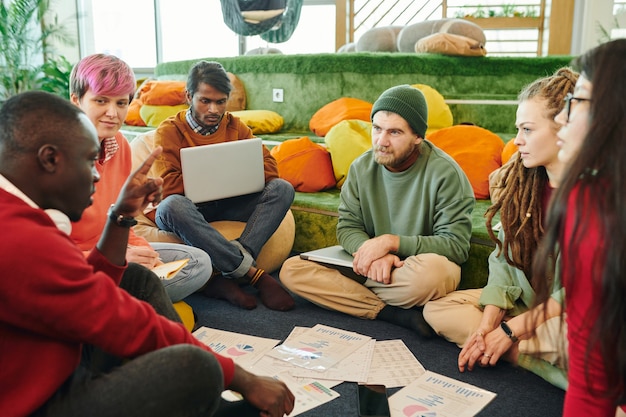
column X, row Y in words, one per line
column 374, row 260
column 484, row 349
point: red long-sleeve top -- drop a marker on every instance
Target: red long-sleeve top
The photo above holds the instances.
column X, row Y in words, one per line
column 583, row 300
column 53, row 299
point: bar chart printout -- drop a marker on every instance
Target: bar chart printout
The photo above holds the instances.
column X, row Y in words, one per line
column 434, row 395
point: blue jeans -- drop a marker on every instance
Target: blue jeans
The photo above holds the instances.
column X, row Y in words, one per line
column 262, row 212
column 192, row 277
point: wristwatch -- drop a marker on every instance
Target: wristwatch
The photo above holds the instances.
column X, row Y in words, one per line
column 120, row 219
column 508, row 331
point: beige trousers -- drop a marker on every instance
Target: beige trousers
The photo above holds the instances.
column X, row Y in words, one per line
column 422, row 278
column 457, row 316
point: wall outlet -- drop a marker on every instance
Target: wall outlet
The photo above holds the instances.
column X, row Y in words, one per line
column 277, row 95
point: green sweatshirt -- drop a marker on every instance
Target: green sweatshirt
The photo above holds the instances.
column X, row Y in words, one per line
column 428, row 206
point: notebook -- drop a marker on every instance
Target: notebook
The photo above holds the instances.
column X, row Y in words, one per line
column 334, row 257
column 222, row 170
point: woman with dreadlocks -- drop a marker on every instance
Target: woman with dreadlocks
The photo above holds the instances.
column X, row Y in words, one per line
column 489, row 323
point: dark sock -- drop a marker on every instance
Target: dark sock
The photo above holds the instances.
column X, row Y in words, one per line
column 272, row 294
column 227, row 289
column 411, row 318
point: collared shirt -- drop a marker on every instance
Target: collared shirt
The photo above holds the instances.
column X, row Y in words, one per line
column 59, row 218
column 198, row 128
column 108, row 148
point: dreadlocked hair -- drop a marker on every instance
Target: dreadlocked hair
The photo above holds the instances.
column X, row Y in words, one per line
column 520, row 198
column 520, row 207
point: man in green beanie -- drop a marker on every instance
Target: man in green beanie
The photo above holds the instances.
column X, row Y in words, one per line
column 405, row 215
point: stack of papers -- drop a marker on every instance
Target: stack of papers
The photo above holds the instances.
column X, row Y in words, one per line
column 311, row 361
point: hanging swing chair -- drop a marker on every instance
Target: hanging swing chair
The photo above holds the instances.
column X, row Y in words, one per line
column 275, row 29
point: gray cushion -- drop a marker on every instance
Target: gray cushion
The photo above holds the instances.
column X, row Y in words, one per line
column 408, row 37
column 379, row 39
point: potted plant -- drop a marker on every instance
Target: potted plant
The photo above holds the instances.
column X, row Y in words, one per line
column 27, row 58
column 505, row 16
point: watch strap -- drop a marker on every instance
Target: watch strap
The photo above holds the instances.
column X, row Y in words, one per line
column 120, row 219
column 508, row 331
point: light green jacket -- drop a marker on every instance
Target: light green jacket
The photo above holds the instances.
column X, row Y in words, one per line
column 509, row 289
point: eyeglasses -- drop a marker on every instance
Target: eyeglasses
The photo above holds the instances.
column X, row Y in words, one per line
column 568, row 103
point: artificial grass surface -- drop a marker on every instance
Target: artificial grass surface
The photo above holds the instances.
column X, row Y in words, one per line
column 314, row 80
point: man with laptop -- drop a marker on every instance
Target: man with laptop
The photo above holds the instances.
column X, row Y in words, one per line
column 404, row 216
column 189, row 139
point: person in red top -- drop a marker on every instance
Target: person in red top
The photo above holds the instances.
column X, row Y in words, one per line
column 55, row 302
column 587, row 223
column 102, row 86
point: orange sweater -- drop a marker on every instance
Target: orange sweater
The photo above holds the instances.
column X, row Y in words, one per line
column 175, row 133
column 113, row 174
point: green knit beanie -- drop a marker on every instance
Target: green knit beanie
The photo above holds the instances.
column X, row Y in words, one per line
column 408, row 102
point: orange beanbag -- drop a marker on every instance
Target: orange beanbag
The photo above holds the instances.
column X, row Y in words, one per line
column 163, row 93
column 345, row 108
column 509, row 149
column 306, row 165
column 478, row 151
column 133, row 117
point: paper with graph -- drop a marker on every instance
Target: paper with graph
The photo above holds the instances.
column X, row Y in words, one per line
column 319, row 348
column 436, row 395
column 242, row 348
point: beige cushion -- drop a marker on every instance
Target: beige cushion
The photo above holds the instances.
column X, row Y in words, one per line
column 450, row 44
column 273, row 253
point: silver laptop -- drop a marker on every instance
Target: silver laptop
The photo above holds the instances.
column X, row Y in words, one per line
column 222, row 170
column 334, row 257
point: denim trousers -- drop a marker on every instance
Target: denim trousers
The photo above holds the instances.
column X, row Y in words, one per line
column 262, row 212
column 192, row 277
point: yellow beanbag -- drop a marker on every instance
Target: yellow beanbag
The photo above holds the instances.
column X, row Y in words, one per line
column 153, row 115
column 345, row 108
column 306, row 165
column 478, row 151
column 346, row 141
column 261, row 121
column 185, row 312
column 439, row 114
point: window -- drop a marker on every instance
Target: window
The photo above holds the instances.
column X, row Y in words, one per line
column 145, row 32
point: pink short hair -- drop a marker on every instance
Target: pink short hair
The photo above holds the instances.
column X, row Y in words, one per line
column 104, row 75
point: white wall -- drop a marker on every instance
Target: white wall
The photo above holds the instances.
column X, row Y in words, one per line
column 588, row 16
column 67, row 15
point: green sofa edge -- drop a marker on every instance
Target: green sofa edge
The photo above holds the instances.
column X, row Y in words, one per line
column 311, row 81
column 316, row 216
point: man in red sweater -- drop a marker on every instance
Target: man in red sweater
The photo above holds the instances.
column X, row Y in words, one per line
column 54, row 302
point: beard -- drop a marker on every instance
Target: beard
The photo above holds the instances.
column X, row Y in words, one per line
column 393, row 160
